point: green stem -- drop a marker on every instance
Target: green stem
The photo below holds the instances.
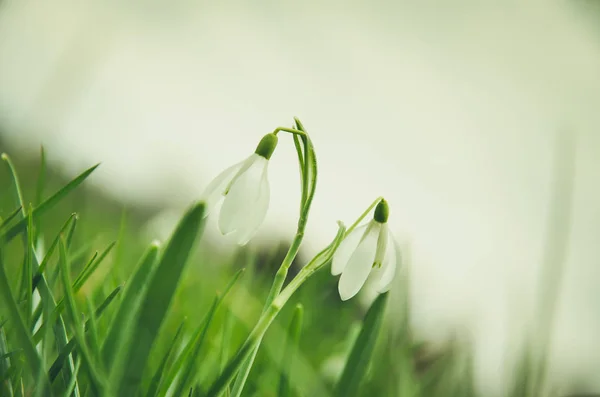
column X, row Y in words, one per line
column 308, row 174
column 248, row 349
column 362, row 216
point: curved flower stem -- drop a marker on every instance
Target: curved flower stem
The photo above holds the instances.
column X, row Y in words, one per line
column 362, row 216
column 308, row 166
column 245, row 355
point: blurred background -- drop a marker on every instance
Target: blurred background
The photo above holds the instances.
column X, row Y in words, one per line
column 478, row 122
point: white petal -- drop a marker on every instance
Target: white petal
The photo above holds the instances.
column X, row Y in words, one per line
column 360, row 264
column 346, row 249
column 214, row 191
column 382, row 243
column 257, row 214
column 390, row 262
column 240, row 201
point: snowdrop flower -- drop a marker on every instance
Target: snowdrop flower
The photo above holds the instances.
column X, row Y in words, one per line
column 244, row 188
column 366, row 248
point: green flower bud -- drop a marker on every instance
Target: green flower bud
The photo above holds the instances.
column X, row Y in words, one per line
column 267, row 146
column 382, row 212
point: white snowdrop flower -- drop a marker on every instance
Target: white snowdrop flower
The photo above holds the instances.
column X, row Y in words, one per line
column 370, row 247
column 244, row 188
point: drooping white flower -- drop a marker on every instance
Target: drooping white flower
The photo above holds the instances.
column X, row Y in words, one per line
column 244, row 188
column 370, row 247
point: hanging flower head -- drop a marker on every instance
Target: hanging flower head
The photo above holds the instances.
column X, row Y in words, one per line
column 244, row 188
column 366, row 248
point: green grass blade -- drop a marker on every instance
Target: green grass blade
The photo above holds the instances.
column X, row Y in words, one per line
column 87, row 271
column 51, row 249
column 192, row 350
column 92, row 329
column 48, row 204
column 33, row 360
column 41, row 181
column 28, row 275
column 225, row 345
column 10, row 217
column 361, row 354
column 71, row 232
column 288, row 356
column 5, row 364
column 73, row 383
column 96, row 378
column 21, row 201
column 160, row 293
column 158, row 377
column 68, row 348
column 91, row 268
column 114, row 349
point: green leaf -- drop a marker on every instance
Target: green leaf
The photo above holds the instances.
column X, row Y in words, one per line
column 157, row 379
column 10, row 217
column 361, row 354
column 159, row 296
column 68, row 348
column 41, row 182
column 51, row 249
column 114, row 349
column 73, row 383
column 96, row 377
column 290, row 347
column 47, row 204
column 71, row 232
column 33, row 360
column 191, row 352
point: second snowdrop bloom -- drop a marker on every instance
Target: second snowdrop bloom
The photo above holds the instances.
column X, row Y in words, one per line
column 370, row 247
column 244, row 189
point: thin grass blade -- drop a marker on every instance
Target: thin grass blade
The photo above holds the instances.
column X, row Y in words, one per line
column 290, row 347
column 66, row 351
column 194, row 347
column 96, row 377
column 160, row 293
column 115, row 347
column 158, row 377
column 47, row 204
column 361, row 354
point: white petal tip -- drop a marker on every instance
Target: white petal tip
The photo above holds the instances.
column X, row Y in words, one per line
column 344, row 295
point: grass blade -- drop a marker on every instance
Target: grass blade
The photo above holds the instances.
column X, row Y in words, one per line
column 192, row 350
column 41, row 182
column 114, row 349
column 159, row 296
column 96, row 378
column 10, row 217
column 362, row 351
column 291, row 346
column 33, row 360
column 47, row 204
column 157, row 379
column 73, row 383
column 28, row 275
column 68, row 348
column 51, row 249
column 5, row 365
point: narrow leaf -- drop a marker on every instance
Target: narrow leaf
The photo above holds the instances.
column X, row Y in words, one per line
column 96, row 378
column 47, row 204
column 361, row 354
column 159, row 296
column 290, row 347
column 68, row 348
column 157, row 379
column 192, row 350
column 115, row 347
column 33, row 360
